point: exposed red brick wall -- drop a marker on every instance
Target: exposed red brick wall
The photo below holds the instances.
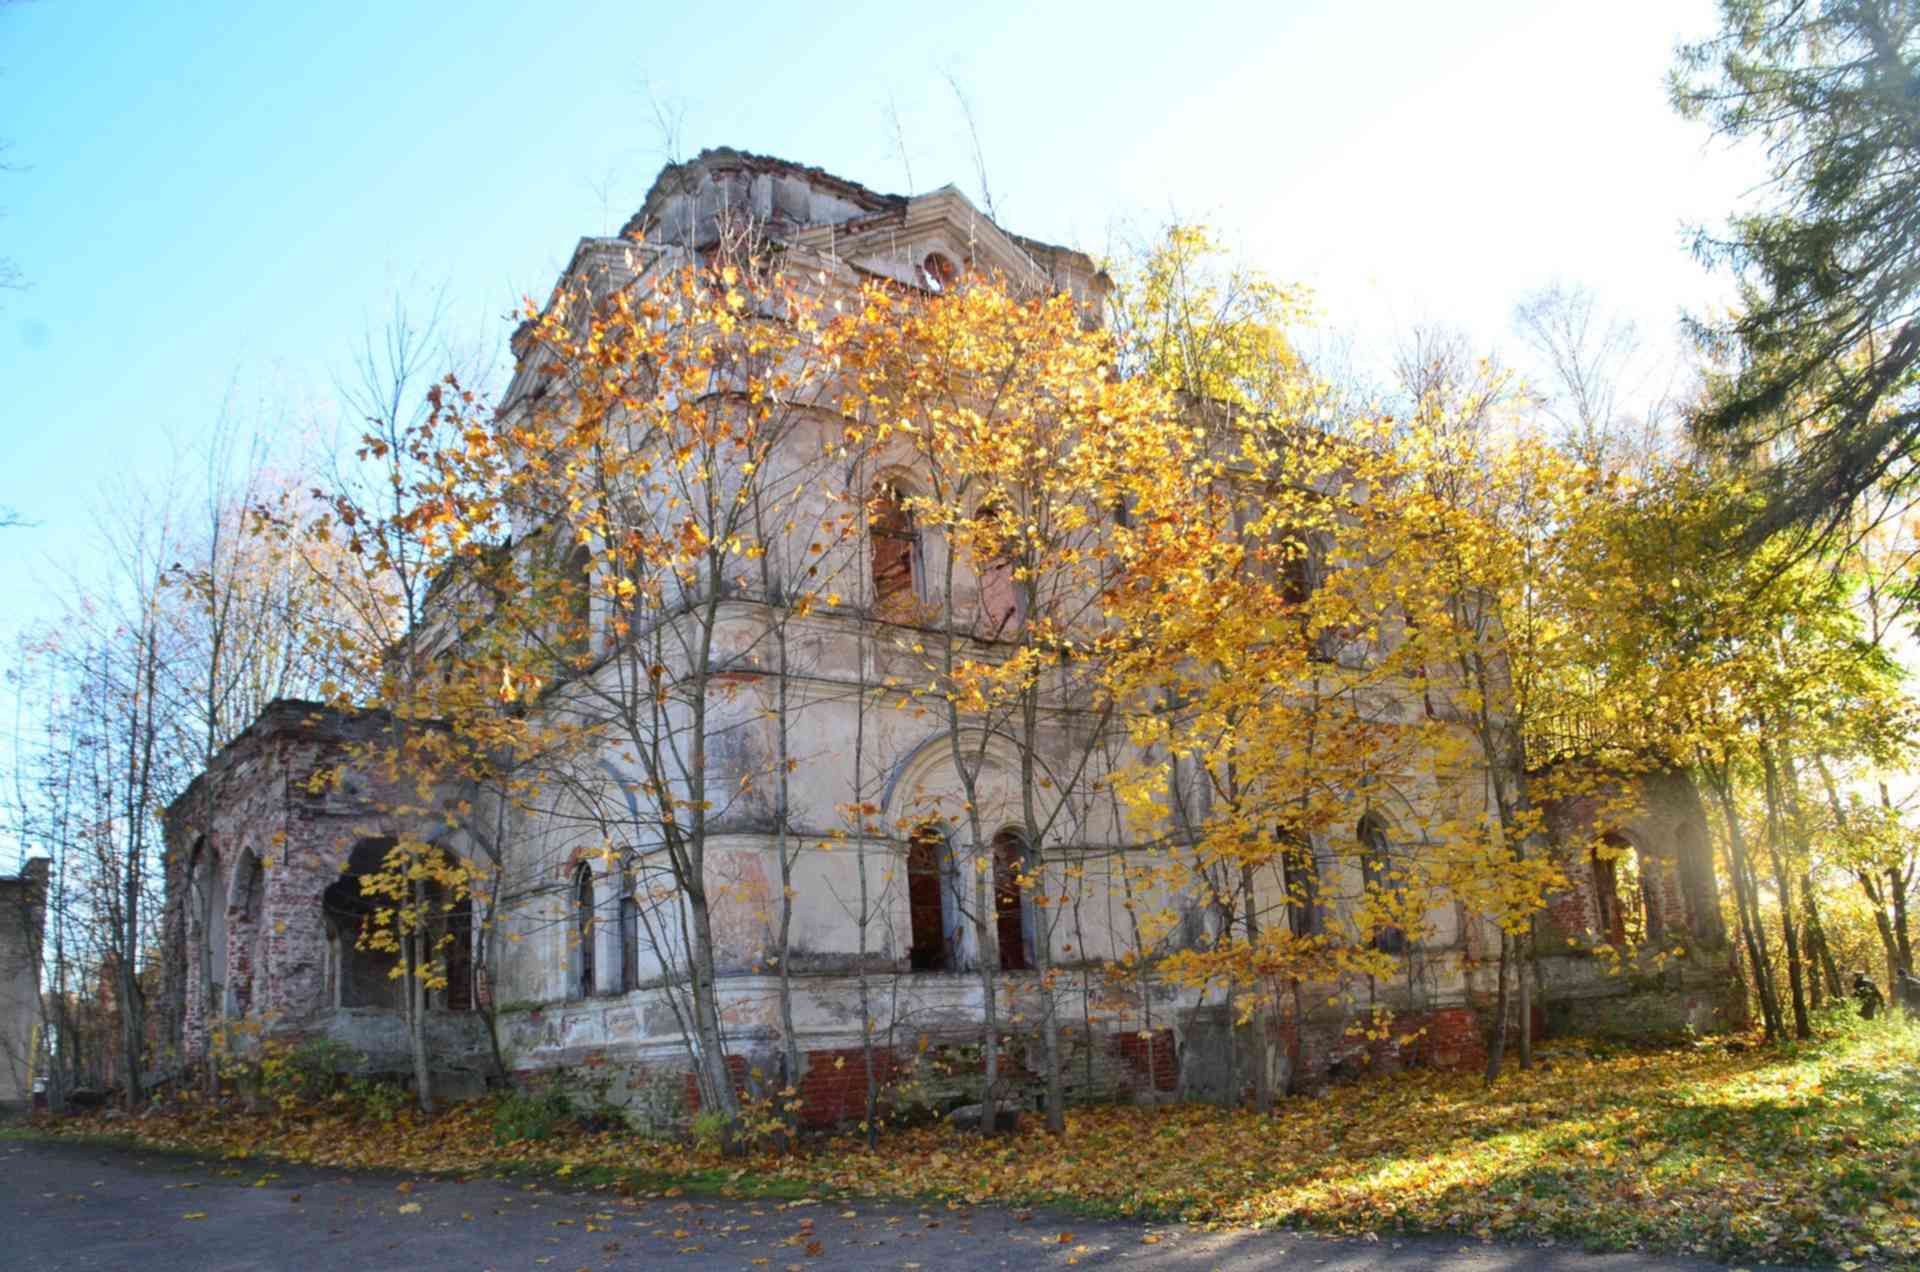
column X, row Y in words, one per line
column 1452, row 1039
column 736, row 1066
column 1151, row 1057
column 834, row 1087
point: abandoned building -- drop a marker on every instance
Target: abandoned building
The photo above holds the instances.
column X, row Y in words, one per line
column 23, row 899
column 264, row 911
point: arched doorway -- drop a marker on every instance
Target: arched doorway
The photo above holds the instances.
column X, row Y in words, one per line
column 362, row 971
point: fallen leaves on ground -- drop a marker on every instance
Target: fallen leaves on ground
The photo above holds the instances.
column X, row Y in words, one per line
column 1807, row 1153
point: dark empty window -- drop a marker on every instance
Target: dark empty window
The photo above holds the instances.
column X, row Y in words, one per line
column 926, row 905
column 1302, row 876
column 1010, row 870
column 582, row 933
column 364, row 975
column 938, row 272
column 629, row 941
column 890, row 523
column 994, row 552
column 1382, row 880
column 458, row 995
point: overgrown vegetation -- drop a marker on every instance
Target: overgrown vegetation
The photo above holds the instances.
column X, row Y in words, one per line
column 530, row 1116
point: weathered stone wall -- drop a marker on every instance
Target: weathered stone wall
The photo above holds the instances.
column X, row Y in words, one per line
column 22, row 917
column 1680, row 975
column 1661, row 817
column 252, row 846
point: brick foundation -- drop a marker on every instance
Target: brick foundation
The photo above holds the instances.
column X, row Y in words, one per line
column 1153, row 1057
column 833, row 1087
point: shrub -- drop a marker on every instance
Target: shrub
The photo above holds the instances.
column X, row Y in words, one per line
column 314, row 1067
column 530, row 1115
column 710, row 1129
column 377, row 1101
column 304, row 1073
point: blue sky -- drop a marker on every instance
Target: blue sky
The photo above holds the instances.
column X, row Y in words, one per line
column 215, row 195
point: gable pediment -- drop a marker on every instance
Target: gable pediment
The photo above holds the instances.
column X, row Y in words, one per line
column 912, row 244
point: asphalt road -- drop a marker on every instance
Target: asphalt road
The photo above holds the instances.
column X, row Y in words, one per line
column 70, row 1207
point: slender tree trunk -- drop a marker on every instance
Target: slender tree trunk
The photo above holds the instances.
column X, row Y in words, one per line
column 139, row 779
column 790, row 1039
column 1882, row 921
column 1523, row 994
column 1897, row 889
column 716, row 1082
column 1505, row 752
column 1747, row 905
column 1820, row 956
column 871, row 1129
column 1817, row 945
column 417, row 958
column 1796, row 975
column 1497, row 1049
column 1897, row 894
column 1889, row 947
column 862, row 651
column 1257, row 1019
column 1041, row 909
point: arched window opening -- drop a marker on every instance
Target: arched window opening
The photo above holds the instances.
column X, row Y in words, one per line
column 456, row 948
column 581, row 931
column 1381, row 879
column 1301, row 875
column 896, row 550
column 938, row 273
column 1010, row 870
column 209, row 894
column 629, row 941
column 363, row 974
column 246, row 942
column 995, row 558
column 1303, row 570
column 1620, row 891
column 926, row 900
column 579, row 635
column 1294, row 562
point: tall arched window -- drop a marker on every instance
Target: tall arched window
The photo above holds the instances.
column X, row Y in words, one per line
column 994, row 558
column 1011, row 876
column 580, row 931
column 1381, row 879
column 579, row 635
column 1624, row 893
column 629, row 937
column 457, row 953
column 210, row 913
column 362, row 971
column 895, row 549
column 1301, row 874
column 247, row 937
column 926, row 899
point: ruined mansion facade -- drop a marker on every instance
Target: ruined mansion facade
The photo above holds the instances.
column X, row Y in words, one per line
column 584, row 961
